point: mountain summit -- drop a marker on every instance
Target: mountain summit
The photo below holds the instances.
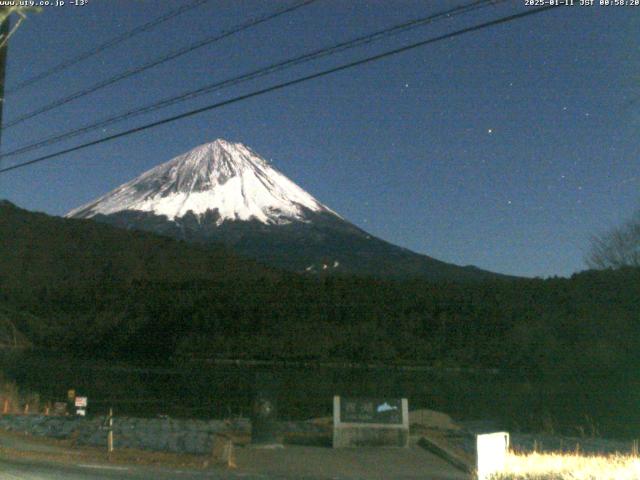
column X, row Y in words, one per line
column 221, row 176
column 223, row 192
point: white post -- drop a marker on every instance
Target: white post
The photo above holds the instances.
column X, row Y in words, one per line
column 491, row 453
column 405, row 414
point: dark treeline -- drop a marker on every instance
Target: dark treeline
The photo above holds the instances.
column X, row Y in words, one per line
column 584, row 325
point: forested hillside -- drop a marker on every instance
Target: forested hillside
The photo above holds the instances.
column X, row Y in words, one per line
column 88, row 287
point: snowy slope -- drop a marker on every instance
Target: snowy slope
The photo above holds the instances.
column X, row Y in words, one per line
column 224, row 193
column 223, row 177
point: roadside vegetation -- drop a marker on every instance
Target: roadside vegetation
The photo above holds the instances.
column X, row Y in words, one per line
column 548, row 466
column 12, row 400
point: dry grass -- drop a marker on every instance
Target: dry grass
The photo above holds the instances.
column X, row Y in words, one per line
column 9, row 394
column 547, row 466
column 16, row 401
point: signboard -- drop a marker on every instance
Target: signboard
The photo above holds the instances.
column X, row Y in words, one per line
column 353, row 410
column 492, row 453
column 71, row 394
column 370, row 422
column 81, row 402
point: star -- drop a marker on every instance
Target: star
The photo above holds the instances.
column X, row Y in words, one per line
column 490, row 131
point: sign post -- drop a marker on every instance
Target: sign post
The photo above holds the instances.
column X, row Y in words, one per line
column 110, row 434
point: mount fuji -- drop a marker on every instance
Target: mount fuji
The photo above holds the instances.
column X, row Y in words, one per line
column 223, row 192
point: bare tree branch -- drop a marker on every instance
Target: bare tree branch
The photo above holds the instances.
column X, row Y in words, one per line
column 617, row 248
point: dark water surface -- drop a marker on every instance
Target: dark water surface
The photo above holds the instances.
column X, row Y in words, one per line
column 218, row 391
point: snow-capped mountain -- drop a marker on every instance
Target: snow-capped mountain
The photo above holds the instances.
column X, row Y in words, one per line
column 224, row 192
column 220, row 176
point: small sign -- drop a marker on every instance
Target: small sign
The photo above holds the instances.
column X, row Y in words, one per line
column 71, row 394
column 492, row 453
column 81, row 412
column 81, row 402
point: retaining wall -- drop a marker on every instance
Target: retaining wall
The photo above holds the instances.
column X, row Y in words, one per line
column 160, row 434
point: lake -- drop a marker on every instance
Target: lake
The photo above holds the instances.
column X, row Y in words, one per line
column 209, row 390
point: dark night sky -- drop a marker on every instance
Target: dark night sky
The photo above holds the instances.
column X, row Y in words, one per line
column 504, row 148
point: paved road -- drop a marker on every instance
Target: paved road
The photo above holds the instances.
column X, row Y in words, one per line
column 364, row 463
column 291, row 463
column 29, row 470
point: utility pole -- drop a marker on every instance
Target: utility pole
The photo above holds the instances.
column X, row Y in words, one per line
column 5, row 34
column 4, row 46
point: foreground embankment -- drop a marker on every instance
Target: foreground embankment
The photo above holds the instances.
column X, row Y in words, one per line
column 158, row 434
column 198, row 436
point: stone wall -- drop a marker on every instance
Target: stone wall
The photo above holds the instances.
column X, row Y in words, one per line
column 160, row 434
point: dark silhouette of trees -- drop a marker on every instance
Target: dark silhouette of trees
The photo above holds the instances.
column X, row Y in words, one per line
column 617, row 248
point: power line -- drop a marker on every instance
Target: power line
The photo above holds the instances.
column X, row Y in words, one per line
column 106, row 45
column 280, row 86
column 191, row 94
column 165, row 58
